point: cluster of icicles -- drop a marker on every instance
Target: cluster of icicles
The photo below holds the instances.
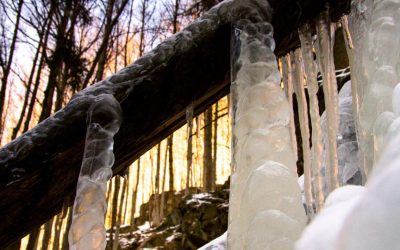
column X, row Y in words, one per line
column 266, row 208
column 265, row 204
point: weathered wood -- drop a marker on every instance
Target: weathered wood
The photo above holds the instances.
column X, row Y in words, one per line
column 39, row 169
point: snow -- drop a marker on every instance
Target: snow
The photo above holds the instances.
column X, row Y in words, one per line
column 87, row 229
column 323, row 231
column 216, row 244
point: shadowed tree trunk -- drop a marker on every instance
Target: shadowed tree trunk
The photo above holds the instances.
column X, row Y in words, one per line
column 170, row 162
column 47, row 234
column 215, row 147
column 207, row 158
column 33, row 238
column 134, row 196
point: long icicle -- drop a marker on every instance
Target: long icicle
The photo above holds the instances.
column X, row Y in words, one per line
column 87, row 229
column 324, row 50
column 353, row 49
column 312, row 88
column 302, row 108
column 288, row 87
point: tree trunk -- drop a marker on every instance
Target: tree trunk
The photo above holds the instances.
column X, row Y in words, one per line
column 7, row 69
column 47, row 234
column 121, row 203
column 57, row 232
column 215, row 147
column 55, row 64
column 65, row 245
column 28, row 89
column 189, row 155
column 114, row 210
column 39, row 72
column 170, row 162
column 207, row 158
column 134, row 196
column 33, row 238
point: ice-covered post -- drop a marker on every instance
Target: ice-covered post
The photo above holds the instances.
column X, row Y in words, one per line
column 87, row 229
column 265, row 210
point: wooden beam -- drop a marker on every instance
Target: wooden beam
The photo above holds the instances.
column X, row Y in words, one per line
column 39, row 170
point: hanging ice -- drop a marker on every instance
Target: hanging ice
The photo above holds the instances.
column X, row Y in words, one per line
column 324, row 51
column 355, row 28
column 87, row 229
column 302, row 107
column 288, row 87
column 310, row 68
column 265, row 204
column 375, row 60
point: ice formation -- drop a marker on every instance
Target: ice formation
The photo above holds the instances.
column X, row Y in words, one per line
column 310, row 68
column 87, row 229
column 324, row 50
column 265, row 204
column 302, row 108
column 287, row 79
column 322, row 232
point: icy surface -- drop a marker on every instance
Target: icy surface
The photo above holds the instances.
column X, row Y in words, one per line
column 347, row 147
column 216, row 244
column 287, row 76
column 377, row 212
column 324, row 51
column 302, row 108
column 265, row 202
column 323, row 231
column 310, row 68
column 375, row 60
column 87, row 229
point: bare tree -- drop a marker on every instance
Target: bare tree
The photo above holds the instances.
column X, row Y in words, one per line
column 207, row 158
column 7, row 60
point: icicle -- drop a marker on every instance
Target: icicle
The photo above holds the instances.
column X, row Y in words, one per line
column 324, row 51
column 346, row 32
column 87, row 228
column 357, row 25
column 312, row 88
column 302, row 107
column 381, row 60
column 288, row 87
column 265, row 203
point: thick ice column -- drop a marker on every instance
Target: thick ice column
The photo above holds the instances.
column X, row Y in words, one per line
column 324, row 49
column 302, row 107
column 265, row 204
column 380, row 59
column 310, row 68
column 87, row 228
